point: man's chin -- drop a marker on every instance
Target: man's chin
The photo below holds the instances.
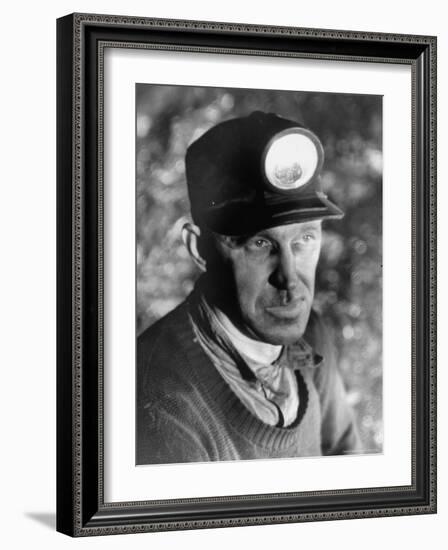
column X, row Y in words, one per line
column 281, row 334
column 275, row 330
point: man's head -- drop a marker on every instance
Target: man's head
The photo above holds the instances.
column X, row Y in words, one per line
column 254, row 189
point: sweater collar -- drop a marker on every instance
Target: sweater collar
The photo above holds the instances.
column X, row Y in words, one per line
column 299, row 356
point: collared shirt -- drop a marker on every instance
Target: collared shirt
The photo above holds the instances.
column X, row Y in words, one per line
column 272, row 393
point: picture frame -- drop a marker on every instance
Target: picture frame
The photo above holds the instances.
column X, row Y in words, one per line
column 81, row 43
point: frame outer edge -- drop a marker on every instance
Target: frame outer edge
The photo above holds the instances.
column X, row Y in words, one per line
column 246, row 28
column 65, row 442
column 78, row 255
column 69, row 455
column 433, row 272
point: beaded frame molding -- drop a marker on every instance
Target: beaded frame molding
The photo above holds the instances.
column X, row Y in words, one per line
column 81, row 40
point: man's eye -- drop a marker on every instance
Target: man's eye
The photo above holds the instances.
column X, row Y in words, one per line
column 305, row 239
column 259, row 244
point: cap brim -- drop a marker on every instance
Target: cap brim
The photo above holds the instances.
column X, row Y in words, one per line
column 243, row 219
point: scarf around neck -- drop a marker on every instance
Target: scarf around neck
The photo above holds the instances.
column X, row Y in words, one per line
column 267, row 388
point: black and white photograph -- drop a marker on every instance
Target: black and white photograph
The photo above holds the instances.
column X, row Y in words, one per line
column 222, row 238
column 246, row 253
column 258, row 274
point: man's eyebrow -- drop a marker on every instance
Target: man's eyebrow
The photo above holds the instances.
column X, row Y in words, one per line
column 231, row 240
column 240, row 240
column 312, row 223
column 263, row 233
column 306, row 228
column 309, row 227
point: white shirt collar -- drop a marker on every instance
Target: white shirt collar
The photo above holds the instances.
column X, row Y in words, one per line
column 259, row 352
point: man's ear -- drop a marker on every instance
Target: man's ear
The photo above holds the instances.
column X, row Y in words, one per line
column 190, row 237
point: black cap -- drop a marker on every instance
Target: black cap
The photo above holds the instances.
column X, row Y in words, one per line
column 256, row 172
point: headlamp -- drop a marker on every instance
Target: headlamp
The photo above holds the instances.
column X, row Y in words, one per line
column 291, row 159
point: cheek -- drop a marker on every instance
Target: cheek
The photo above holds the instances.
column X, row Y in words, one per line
column 251, row 280
column 311, row 273
column 306, row 268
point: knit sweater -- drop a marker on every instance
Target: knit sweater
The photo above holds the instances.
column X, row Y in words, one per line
column 186, row 412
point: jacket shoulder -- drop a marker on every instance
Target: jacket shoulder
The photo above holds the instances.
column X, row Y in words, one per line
column 153, row 339
column 160, row 351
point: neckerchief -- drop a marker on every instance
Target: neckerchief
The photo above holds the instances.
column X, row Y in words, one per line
column 268, row 390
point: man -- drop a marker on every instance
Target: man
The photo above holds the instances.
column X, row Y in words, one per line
column 243, row 368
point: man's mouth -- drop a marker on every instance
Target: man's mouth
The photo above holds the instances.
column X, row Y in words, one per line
column 290, row 310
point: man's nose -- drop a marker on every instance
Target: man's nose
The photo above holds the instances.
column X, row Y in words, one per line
column 284, row 276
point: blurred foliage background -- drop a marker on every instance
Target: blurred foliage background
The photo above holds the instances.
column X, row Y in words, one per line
column 349, row 277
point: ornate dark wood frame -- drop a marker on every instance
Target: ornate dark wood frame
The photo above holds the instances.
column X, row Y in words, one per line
column 81, row 39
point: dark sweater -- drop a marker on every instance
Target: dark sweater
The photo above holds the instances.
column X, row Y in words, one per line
column 186, row 412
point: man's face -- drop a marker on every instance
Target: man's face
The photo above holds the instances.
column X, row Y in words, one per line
column 265, row 282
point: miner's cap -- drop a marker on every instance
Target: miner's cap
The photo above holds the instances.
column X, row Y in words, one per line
column 255, row 172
